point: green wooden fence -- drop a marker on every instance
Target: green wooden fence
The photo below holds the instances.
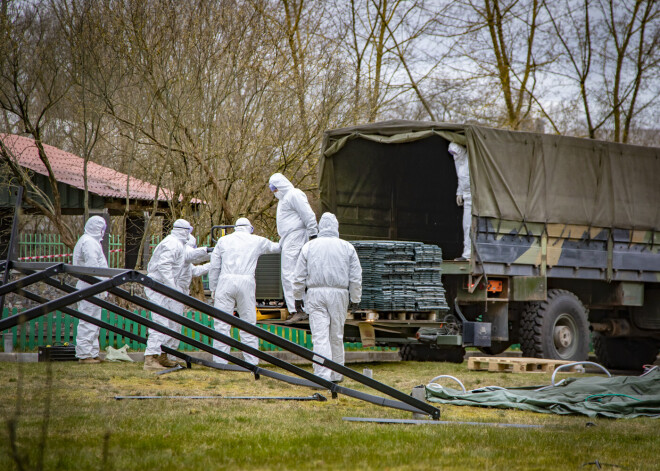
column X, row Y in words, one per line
column 58, row 328
column 49, row 248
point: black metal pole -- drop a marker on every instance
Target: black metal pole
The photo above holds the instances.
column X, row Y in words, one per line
column 56, row 304
column 125, row 333
column 140, row 320
column 403, row 402
column 148, row 323
column 85, row 317
column 315, row 382
column 31, row 279
column 242, row 364
column 314, row 397
column 13, row 238
column 287, row 345
column 258, row 371
column 202, row 329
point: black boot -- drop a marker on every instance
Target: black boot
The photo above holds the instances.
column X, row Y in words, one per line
column 297, row 317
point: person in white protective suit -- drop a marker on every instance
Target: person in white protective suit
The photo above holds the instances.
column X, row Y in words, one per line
column 88, row 252
column 184, row 279
column 232, row 284
column 329, row 268
column 463, row 195
column 296, row 224
column 165, row 266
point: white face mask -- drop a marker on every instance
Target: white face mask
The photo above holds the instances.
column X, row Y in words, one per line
column 278, row 195
column 181, row 233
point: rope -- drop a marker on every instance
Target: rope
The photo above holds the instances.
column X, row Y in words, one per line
column 61, row 255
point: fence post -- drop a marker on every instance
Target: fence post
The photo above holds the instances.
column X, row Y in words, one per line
column 7, row 337
column 74, row 330
column 49, row 327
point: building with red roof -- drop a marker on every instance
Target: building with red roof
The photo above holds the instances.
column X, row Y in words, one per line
column 107, row 189
column 104, row 182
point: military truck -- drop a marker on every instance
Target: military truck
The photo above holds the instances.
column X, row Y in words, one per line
column 565, row 238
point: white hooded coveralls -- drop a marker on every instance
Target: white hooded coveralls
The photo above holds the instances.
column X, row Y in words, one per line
column 184, row 278
column 88, row 252
column 189, row 269
column 165, row 266
column 463, row 189
column 231, row 278
column 296, row 223
column 330, row 270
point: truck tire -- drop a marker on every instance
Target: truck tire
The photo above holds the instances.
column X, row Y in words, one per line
column 421, row 352
column 406, row 353
column 556, row 328
column 450, row 355
column 624, row 354
column 496, row 347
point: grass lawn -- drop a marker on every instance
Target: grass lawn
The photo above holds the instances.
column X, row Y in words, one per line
column 86, row 428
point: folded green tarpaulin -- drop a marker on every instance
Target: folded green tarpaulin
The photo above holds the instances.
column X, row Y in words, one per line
column 616, row 397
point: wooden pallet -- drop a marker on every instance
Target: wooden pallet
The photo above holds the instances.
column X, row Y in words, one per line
column 373, row 315
column 517, row 365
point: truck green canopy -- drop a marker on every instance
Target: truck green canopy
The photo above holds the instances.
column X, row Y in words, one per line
column 518, row 176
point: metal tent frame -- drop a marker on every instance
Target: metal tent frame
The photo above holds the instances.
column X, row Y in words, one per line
column 111, row 280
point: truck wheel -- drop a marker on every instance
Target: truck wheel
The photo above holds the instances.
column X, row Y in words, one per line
column 496, row 347
column 556, row 328
column 624, row 354
column 451, row 355
column 406, row 353
column 417, row 352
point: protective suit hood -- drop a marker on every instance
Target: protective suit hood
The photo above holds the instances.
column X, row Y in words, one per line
column 181, row 230
column 328, row 226
column 282, row 184
column 95, row 227
column 243, row 225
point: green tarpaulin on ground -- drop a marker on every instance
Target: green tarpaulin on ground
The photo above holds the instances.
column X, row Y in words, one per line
column 596, row 396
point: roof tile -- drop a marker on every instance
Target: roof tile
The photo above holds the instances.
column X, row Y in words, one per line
column 68, row 168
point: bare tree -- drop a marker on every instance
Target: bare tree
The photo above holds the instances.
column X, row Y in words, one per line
column 31, row 86
column 207, row 99
column 610, row 51
column 635, row 36
column 388, row 46
column 499, row 45
column 81, row 110
column 221, row 95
